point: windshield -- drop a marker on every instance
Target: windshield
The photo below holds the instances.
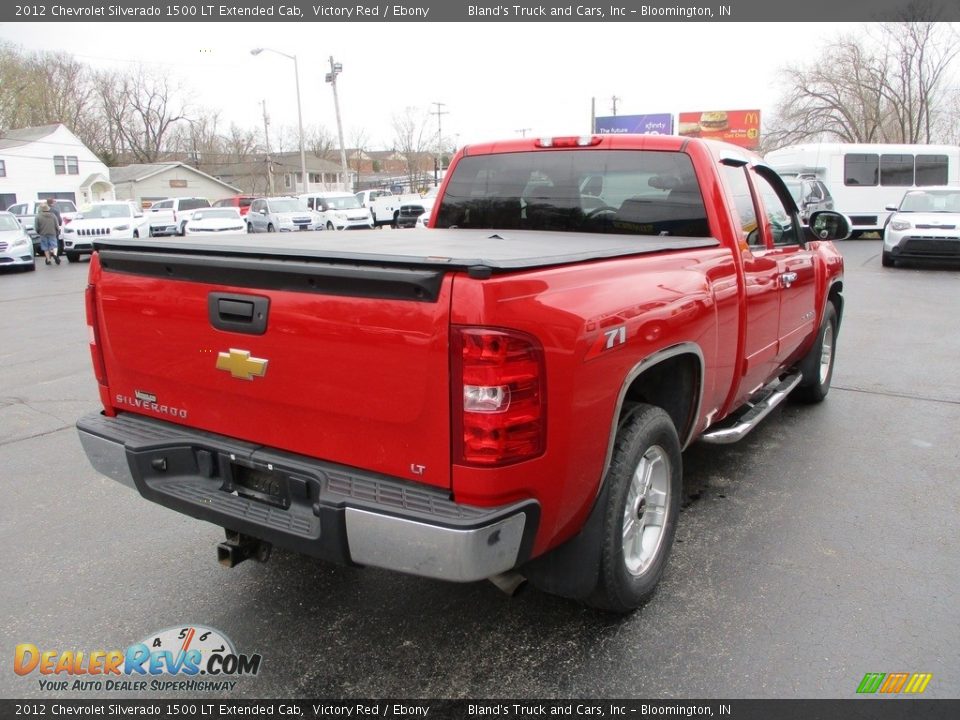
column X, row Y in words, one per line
column 347, row 202
column 106, row 212
column 290, row 205
column 944, row 201
column 634, row 192
column 224, row 213
column 8, row 222
column 64, row 206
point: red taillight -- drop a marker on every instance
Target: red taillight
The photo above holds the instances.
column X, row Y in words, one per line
column 499, row 396
column 93, row 327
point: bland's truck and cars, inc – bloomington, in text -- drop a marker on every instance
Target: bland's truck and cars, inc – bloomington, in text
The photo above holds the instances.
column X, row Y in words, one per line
column 503, row 394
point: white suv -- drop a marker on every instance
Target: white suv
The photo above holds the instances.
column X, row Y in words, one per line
column 340, row 210
column 170, row 216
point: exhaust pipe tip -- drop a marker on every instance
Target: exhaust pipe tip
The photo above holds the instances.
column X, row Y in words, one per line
column 510, row 582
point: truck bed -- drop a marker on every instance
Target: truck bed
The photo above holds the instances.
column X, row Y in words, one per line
column 476, row 250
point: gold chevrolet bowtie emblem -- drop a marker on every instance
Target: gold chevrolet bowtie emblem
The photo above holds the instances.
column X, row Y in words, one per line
column 239, row 364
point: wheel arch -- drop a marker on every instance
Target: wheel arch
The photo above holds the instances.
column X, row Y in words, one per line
column 644, row 384
column 835, row 295
column 572, row 568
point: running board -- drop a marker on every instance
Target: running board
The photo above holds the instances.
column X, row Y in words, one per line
column 772, row 395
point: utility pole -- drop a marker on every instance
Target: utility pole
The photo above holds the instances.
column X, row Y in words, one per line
column 335, row 69
column 615, row 99
column 266, row 140
column 439, row 165
column 523, row 131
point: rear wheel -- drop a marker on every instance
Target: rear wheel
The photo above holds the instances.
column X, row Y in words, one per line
column 270, row 227
column 817, row 366
column 643, row 502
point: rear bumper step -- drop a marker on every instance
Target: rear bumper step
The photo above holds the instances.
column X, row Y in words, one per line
column 771, row 396
column 320, row 509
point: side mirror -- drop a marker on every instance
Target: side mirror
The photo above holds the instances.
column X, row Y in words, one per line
column 829, row 225
column 892, row 208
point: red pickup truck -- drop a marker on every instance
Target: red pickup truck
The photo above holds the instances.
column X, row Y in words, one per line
column 505, row 393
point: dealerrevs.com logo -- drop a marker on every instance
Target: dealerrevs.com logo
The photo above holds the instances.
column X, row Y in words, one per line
column 187, row 658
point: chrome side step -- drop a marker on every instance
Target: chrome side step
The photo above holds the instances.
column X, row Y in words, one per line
column 771, row 396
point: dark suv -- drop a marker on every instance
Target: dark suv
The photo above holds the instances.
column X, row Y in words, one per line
column 810, row 194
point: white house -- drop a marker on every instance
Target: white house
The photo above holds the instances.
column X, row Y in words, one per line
column 50, row 161
column 148, row 183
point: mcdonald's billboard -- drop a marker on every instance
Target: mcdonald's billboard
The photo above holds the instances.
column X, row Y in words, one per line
column 740, row 127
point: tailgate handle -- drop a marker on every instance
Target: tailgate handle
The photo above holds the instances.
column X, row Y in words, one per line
column 238, row 313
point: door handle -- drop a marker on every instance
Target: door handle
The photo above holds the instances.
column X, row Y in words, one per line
column 788, row 278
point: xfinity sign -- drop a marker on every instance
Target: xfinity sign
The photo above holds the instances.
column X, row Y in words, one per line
column 658, row 124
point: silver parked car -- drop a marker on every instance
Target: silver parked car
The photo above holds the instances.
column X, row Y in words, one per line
column 16, row 247
column 282, row 214
column 924, row 226
column 809, row 193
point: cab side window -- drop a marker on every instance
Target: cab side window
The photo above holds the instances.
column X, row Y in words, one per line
column 783, row 229
column 736, row 180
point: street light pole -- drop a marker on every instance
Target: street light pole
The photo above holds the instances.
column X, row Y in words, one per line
column 335, row 69
column 296, row 75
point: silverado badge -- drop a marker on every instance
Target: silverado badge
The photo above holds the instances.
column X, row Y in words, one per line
column 239, row 364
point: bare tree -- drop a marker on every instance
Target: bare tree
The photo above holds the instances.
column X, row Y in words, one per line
column 359, row 141
column 886, row 86
column 412, row 138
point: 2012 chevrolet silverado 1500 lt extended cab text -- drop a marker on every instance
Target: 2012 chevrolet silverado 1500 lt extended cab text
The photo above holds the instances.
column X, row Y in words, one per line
column 505, row 392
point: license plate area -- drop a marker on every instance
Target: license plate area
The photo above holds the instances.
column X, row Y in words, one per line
column 260, row 483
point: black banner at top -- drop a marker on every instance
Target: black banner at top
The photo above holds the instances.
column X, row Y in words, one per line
column 597, row 11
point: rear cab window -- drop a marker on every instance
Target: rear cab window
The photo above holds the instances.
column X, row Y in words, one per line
column 632, row 192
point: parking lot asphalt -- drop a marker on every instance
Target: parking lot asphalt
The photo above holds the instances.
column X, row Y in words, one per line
column 824, row 546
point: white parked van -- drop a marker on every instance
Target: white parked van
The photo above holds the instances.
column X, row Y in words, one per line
column 340, row 210
column 865, row 178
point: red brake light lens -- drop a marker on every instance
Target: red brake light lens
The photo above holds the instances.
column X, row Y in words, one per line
column 93, row 326
column 569, row 141
column 499, row 398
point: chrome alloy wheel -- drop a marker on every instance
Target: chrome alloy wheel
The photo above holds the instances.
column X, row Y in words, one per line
column 826, row 353
column 645, row 511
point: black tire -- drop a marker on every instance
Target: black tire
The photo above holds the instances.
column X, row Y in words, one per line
column 646, row 437
column 249, row 227
column 136, row 234
column 270, row 227
column 817, row 377
column 150, row 232
column 73, row 257
column 886, row 259
column 330, row 226
column 395, row 223
column 31, row 267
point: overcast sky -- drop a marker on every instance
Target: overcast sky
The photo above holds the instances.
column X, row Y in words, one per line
column 494, row 78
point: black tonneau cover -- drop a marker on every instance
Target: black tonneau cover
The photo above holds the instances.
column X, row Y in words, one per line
column 480, row 251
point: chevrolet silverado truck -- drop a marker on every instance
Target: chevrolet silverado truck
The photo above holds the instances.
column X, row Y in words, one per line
column 504, row 395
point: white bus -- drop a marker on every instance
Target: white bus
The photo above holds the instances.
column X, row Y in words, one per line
column 866, row 178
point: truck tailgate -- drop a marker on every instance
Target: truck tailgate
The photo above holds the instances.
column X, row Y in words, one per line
column 335, row 361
